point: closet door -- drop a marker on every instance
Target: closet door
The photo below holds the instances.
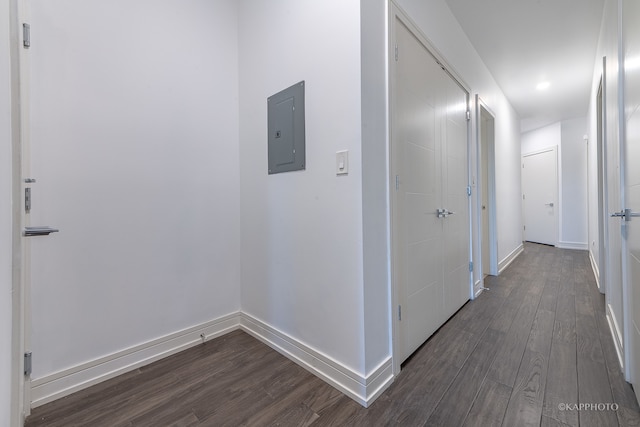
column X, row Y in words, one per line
column 429, row 199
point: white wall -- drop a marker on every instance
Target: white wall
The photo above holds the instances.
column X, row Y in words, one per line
column 302, row 262
column 5, row 218
column 375, row 183
column 573, row 194
column 539, row 139
column 438, row 24
column 135, row 135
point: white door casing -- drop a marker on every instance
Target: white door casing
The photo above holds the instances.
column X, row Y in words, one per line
column 540, row 196
column 613, row 186
column 487, row 196
column 429, row 171
column 631, row 160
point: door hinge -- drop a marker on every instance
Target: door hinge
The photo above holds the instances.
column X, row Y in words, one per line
column 397, row 182
column 468, row 190
column 523, row 197
column 468, row 115
column 524, row 227
column 26, row 35
column 27, row 200
column 396, row 52
column 399, row 312
column 470, row 266
column 27, row 363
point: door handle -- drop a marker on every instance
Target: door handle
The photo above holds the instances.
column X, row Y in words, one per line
column 626, row 214
column 38, row 231
column 443, row 213
column 549, row 204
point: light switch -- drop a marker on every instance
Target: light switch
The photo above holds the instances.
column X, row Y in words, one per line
column 342, row 162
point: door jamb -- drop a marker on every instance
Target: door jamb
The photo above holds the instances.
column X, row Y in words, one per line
column 19, row 407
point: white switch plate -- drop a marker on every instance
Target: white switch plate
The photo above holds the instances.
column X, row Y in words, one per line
column 342, row 162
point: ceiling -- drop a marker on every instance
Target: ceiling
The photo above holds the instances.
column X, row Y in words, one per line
column 525, row 42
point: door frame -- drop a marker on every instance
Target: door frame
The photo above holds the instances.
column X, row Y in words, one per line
column 601, row 165
column 20, row 405
column 396, row 12
column 483, row 109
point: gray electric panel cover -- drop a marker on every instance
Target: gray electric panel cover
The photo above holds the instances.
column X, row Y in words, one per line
column 285, row 122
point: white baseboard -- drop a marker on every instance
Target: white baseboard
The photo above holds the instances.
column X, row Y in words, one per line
column 502, row 265
column 362, row 389
column 65, row 382
column 596, row 271
column 616, row 335
column 573, row 245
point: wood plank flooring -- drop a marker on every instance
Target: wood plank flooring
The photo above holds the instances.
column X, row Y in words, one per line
column 538, row 339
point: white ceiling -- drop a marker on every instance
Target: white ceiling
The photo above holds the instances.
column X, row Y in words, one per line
column 524, row 42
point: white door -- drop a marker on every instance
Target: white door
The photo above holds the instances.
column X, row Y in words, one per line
column 122, row 151
column 485, row 200
column 486, row 123
column 429, row 170
column 613, row 256
column 540, row 200
column 632, row 184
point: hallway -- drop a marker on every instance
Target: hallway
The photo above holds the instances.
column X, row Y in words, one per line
column 536, row 341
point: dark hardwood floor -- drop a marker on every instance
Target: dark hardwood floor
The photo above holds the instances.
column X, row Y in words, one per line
column 536, row 341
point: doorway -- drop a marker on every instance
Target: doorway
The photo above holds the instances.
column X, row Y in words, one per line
column 429, row 190
column 540, row 196
column 487, row 194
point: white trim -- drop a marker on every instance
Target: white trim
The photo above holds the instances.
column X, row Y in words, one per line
column 18, row 72
column 596, row 271
column 616, row 335
column 364, row 389
column 65, row 382
column 502, row 265
column 573, row 245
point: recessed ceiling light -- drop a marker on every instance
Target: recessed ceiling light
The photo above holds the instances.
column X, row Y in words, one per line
column 543, row 86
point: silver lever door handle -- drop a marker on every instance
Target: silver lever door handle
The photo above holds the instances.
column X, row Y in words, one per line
column 549, row 204
column 626, row 214
column 443, row 213
column 38, row 231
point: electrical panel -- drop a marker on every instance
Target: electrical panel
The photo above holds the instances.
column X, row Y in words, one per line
column 285, row 123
